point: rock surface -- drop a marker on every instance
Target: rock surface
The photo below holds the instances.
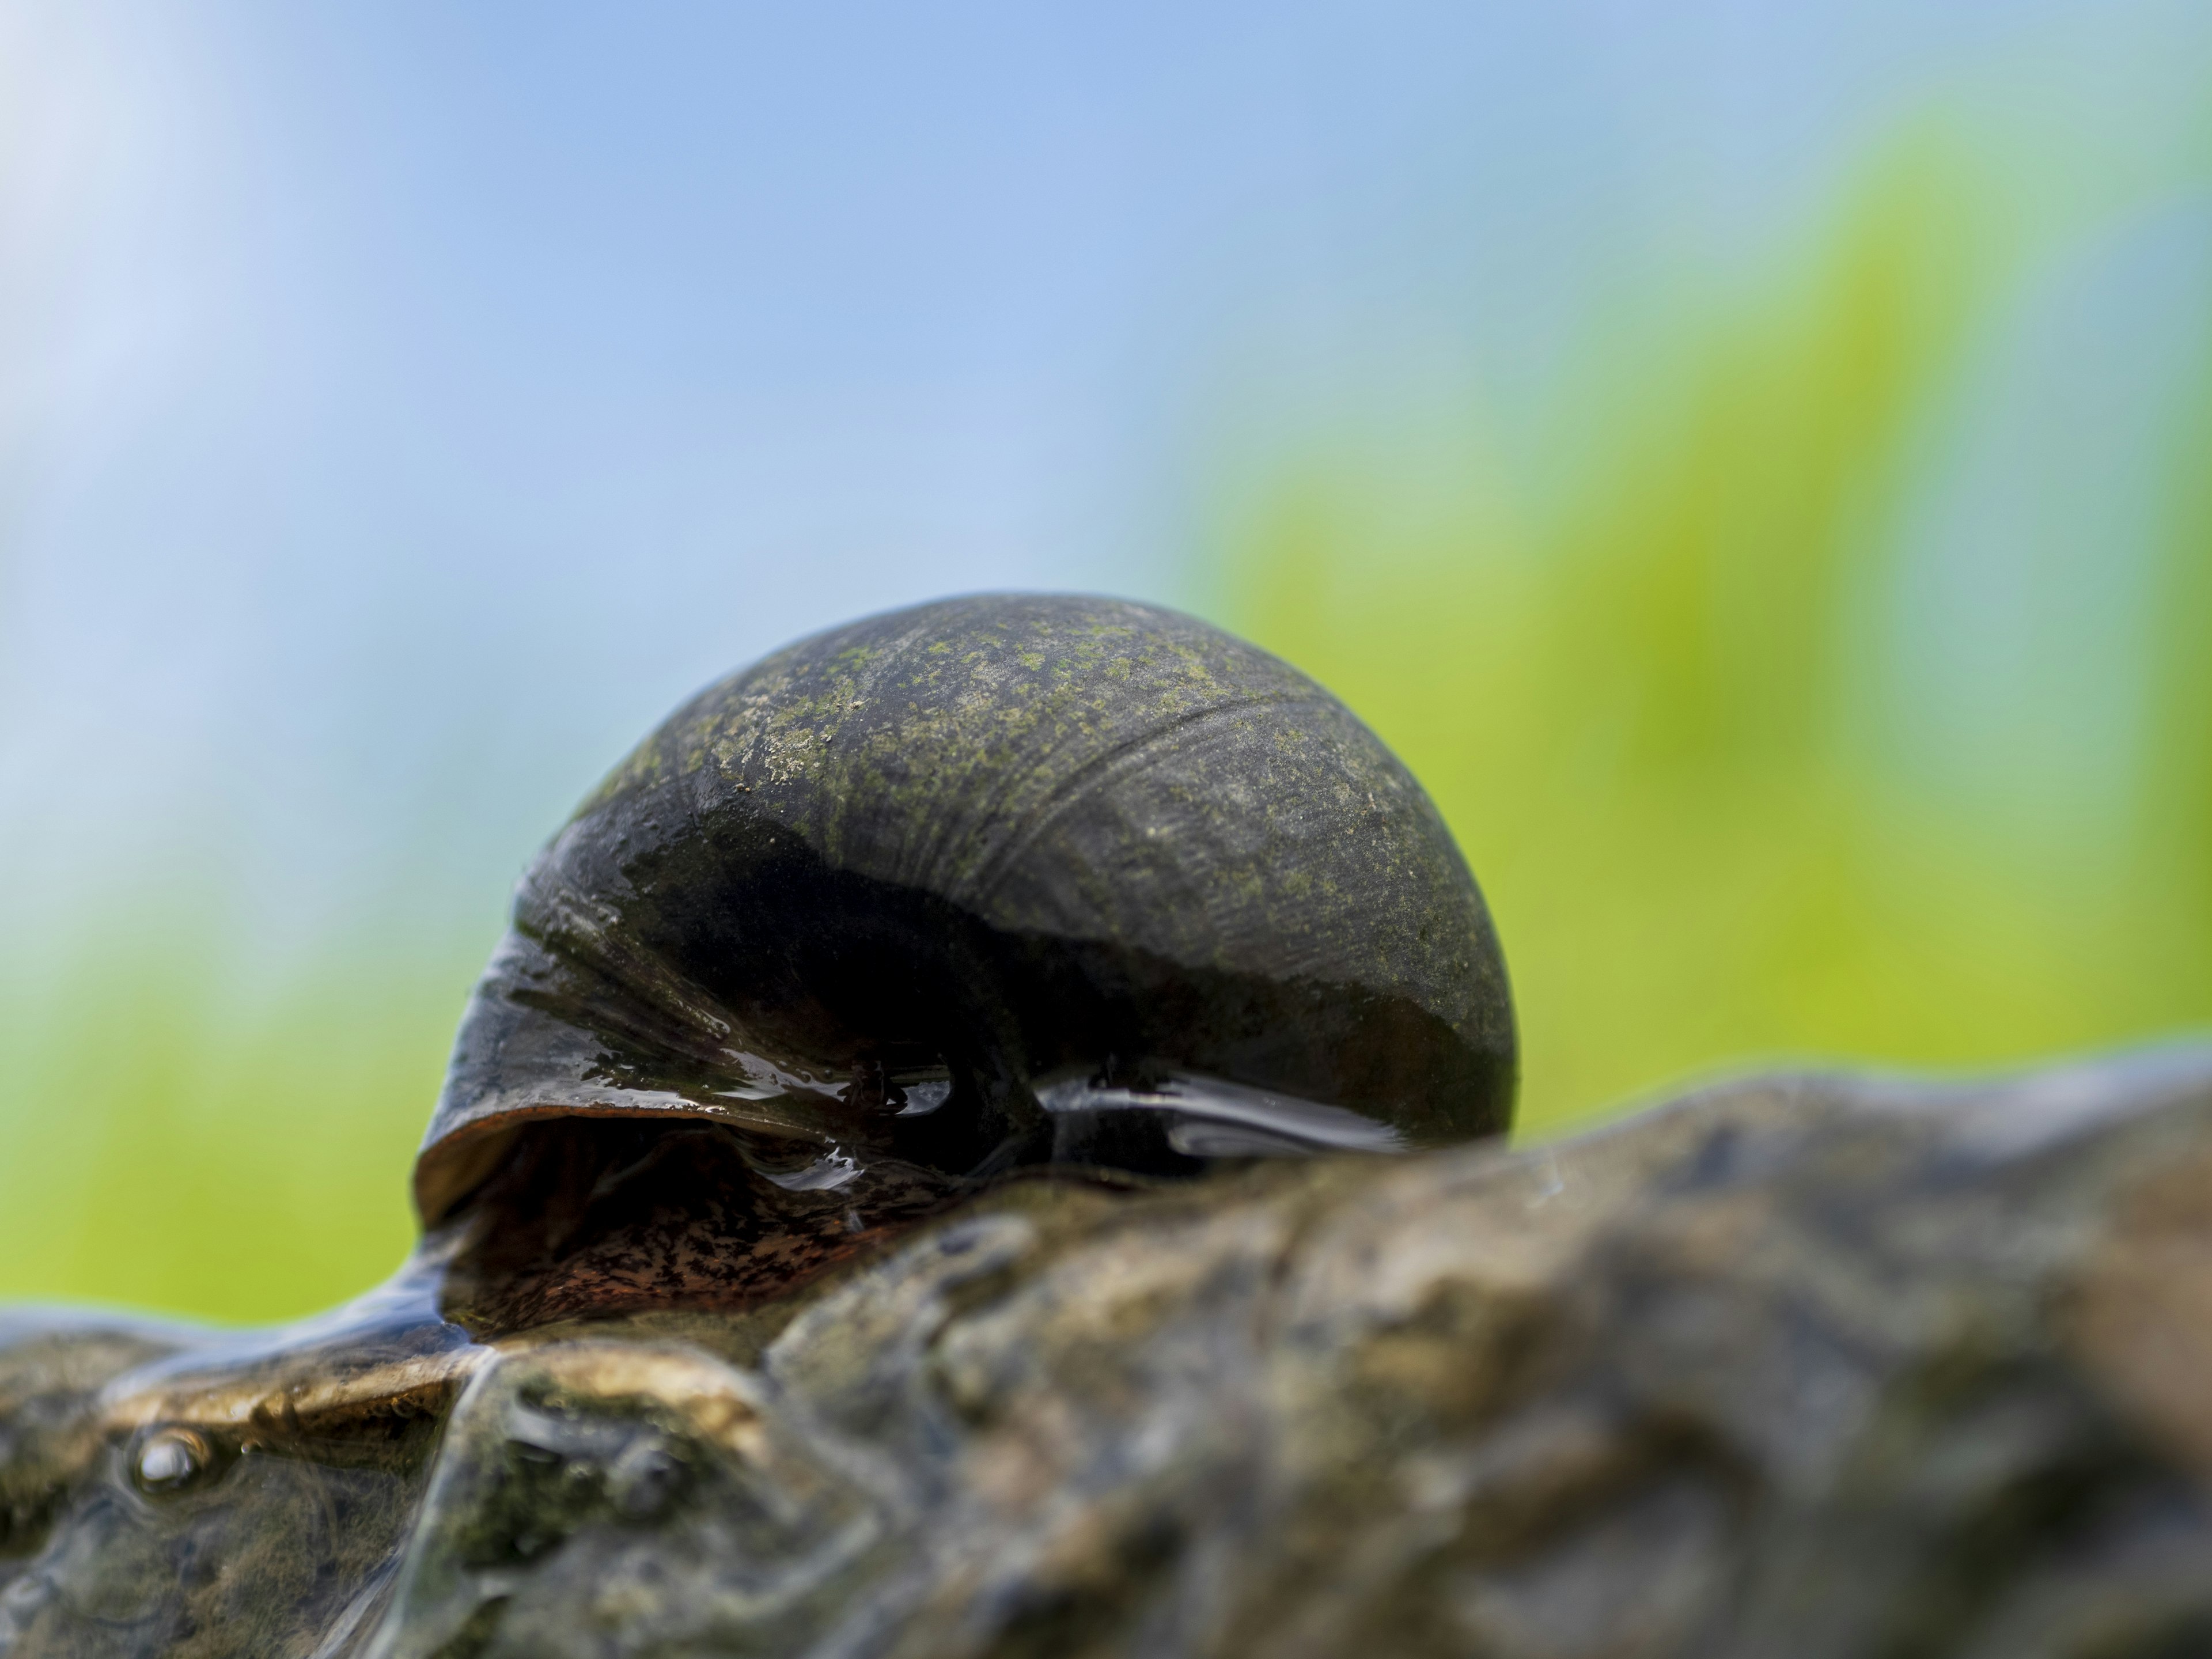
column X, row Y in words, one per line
column 1820, row 1366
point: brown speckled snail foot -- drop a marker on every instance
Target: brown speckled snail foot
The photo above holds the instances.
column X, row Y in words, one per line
column 998, row 889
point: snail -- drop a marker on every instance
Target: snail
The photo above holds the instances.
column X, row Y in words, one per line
column 992, row 890
column 990, row 886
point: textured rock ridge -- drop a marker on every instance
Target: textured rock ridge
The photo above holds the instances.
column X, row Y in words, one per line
column 1817, row 1365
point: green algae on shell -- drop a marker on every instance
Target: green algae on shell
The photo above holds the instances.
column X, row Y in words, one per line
column 996, row 883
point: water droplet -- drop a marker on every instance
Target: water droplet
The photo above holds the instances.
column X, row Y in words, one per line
column 645, row 1478
column 926, row 1096
column 824, row 1174
column 170, row 1459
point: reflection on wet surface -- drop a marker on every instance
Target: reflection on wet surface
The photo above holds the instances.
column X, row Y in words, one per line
column 175, row 1491
column 184, row 1492
column 170, row 1491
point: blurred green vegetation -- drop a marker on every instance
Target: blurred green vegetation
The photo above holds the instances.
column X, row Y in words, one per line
column 1646, row 677
column 189, row 1132
column 1641, row 662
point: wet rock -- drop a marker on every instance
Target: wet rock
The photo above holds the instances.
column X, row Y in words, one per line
column 1817, row 1365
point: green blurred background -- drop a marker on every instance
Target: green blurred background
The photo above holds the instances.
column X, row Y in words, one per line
column 1756, row 471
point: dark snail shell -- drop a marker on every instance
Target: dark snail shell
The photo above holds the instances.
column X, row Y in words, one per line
column 996, row 883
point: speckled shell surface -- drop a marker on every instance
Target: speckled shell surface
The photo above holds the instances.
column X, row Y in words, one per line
column 1000, row 840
